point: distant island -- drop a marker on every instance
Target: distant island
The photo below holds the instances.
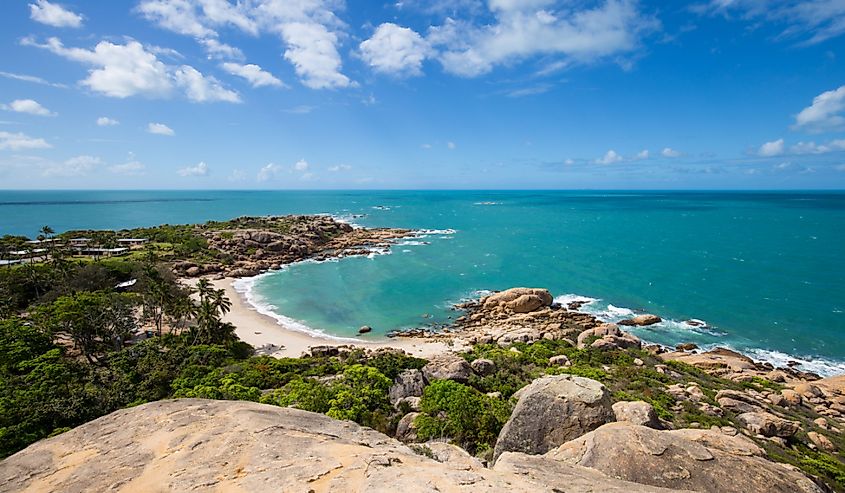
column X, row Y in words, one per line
column 98, row 321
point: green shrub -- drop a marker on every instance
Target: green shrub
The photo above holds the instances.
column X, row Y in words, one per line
column 581, row 371
column 303, row 393
column 462, row 413
column 359, row 395
column 826, row 466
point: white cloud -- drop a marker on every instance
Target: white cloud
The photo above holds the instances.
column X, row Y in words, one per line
column 569, row 161
column 160, row 129
column 813, row 148
column 826, row 112
column 200, row 169
column 193, row 17
column 105, row 121
column 132, row 167
column 425, row 146
column 529, row 91
column 312, row 49
column 75, row 166
column 132, row 70
column 451, row 145
column 203, row 88
column 773, row 148
column 340, row 167
column 29, row 106
column 840, row 167
column 123, row 70
column 216, row 49
column 256, row 76
column 669, row 152
column 269, row 171
column 821, row 19
column 395, row 50
column 609, row 157
column 302, row 109
column 53, row 14
column 574, row 31
column 309, row 29
column 30, row 78
column 643, row 154
column 18, row 141
column 301, row 165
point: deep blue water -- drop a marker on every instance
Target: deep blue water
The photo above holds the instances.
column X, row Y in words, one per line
column 763, row 269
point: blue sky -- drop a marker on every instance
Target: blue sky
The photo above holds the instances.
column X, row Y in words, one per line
column 312, row 94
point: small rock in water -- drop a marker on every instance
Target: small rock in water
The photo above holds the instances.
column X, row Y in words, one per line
column 365, row 329
column 641, row 320
column 687, row 346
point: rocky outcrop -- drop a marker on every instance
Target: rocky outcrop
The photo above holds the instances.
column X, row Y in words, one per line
column 553, row 410
column 767, row 424
column 517, row 315
column 483, row 366
column 409, row 383
column 199, row 445
column 697, row 460
column 447, row 366
column 518, row 299
column 637, row 413
column 609, row 337
column 641, row 320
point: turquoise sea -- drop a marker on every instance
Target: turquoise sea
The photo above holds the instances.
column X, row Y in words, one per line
column 764, row 270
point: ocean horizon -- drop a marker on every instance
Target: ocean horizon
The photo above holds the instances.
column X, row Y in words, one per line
column 760, row 268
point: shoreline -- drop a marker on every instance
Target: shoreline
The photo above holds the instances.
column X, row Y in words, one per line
column 257, row 330
column 261, row 330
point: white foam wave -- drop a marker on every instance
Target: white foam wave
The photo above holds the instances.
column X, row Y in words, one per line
column 412, row 243
column 823, row 366
column 347, row 219
column 422, row 233
column 611, row 313
column 486, row 203
column 616, row 311
column 565, row 299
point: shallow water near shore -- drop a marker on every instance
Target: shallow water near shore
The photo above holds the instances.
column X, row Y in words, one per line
column 763, row 270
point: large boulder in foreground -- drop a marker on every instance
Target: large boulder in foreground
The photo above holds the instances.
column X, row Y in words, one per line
column 698, row 460
column 519, row 300
column 200, row 445
column 553, row 410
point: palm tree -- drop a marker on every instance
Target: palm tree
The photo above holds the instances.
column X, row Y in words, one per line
column 213, row 305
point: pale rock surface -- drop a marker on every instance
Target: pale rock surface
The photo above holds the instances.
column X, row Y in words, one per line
column 238, row 446
column 447, row 366
column 504, row 298
column 638, row 413
column 767, row 424
column 698, row 460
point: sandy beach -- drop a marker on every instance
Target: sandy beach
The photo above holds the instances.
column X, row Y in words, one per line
column 258, row 330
